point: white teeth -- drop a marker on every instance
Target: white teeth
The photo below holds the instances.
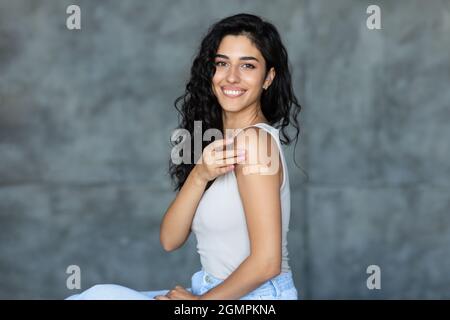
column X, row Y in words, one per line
column 232, row 92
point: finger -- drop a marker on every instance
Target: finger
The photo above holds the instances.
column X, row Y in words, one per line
column 223, row 170
column 230, row 161
column 181, row 296
column 174, row 295
column 222, row 158
column 181, row 288
column 216, row 150
column 171, row 293
column 162, row 298
column 219, row 145
column 228, row 154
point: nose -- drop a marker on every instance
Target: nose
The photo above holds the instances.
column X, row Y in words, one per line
column 233, row 74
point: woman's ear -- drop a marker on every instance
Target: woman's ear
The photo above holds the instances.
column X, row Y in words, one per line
column 269, row 78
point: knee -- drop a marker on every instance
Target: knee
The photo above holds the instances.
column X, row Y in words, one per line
column 73, row 297
column 99, row 291
column 99, row 287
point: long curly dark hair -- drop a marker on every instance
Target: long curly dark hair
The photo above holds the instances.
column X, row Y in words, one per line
column 278, row 103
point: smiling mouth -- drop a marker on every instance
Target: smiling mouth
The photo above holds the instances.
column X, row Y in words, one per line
column 233, row 93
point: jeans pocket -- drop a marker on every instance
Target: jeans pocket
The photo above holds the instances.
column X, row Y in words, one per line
column 268, row 291
column 289, row 294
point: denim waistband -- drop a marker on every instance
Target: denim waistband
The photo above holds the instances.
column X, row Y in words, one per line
column 274, row 286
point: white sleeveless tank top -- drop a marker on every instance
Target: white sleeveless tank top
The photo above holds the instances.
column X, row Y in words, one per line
column 220, row 226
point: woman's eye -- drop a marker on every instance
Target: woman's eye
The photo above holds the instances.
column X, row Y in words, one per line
column 248, row 66
column 224, row 64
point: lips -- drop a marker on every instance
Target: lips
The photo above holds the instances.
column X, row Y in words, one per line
column 233, row 92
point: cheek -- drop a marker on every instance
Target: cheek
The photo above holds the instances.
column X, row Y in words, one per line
column 218, row 77
column 215, row 83
column 254, row 81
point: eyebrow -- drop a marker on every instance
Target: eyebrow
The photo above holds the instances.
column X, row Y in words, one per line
column 241, row 58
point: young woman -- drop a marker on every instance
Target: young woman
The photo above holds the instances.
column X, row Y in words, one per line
column 235, row 197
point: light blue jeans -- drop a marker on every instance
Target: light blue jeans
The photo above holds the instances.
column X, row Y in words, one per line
column 280, row 287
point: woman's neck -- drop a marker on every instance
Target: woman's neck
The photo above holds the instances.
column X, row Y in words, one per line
column 242, row 119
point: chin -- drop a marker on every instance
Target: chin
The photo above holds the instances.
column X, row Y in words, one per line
column 231, row 107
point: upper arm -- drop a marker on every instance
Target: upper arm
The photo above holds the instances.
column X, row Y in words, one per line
column 260, row 193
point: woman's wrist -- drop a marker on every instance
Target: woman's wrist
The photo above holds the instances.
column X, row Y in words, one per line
column 197, row 176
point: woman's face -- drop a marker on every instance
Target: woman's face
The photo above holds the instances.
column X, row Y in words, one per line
column 240, row 74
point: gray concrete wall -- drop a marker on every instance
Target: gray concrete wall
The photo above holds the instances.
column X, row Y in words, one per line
column 86, row 116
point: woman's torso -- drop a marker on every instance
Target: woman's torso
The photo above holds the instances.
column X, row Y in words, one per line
column 220, row 225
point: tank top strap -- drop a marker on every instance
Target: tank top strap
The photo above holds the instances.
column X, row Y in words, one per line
column 272, row 131
column 259, row 125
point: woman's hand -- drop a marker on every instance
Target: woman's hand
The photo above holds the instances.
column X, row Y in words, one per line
column 217, row 160
column 178, row 293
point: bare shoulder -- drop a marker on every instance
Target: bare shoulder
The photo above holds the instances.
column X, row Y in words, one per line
column 262, row 155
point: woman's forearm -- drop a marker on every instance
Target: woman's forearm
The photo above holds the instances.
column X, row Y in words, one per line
column 250, row 274
column 177, row 221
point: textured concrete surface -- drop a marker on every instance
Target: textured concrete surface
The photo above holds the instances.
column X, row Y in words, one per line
column 86, row 117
